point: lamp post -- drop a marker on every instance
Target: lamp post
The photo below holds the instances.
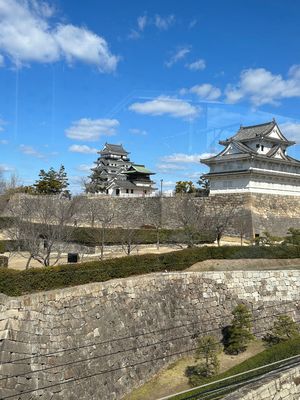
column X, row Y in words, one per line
column 161, row 187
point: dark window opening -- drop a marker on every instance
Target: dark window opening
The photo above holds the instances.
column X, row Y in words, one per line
column 131, row 191
column 117, row 192
column 257, row 146
column 262, row 147
column 127, row 191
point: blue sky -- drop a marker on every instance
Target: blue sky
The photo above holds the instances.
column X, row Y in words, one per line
column 166, row 79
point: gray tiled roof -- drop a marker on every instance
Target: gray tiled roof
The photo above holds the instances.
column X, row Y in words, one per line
column 115, row 148
column 251, row 132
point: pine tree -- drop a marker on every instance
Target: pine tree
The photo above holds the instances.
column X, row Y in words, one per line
column 238, row 334
column 184, row 187
column 52, row 182
column 284, row 328
column 207, row 352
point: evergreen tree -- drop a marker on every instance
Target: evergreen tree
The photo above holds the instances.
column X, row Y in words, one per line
column 238, row 334
column 52, row 182
column 184, row 187
column 207, row 352
column 293, row 236
column 284, row 328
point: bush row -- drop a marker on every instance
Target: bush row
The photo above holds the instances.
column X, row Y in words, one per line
column 15, row 283
column 5, row 222
column 10, row 245
column 115, row 236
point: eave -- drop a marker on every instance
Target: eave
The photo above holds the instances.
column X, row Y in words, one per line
column 254, row 171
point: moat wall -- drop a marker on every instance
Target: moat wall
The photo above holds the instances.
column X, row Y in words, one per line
column 121, row 332
column 280, row 386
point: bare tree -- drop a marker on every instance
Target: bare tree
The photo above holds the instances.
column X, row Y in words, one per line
column 153, row 218
column 100, row 213
column 191, row 216
column 241, row 225
column 129, row 235
column 220, row 217
column 42, row 225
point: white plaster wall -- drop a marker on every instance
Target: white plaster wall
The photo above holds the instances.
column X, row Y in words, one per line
column 283, row 186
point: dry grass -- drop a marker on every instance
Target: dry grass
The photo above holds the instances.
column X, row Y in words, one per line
column 245, row 264
column 172, row 379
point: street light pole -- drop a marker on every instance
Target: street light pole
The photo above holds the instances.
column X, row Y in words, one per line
column 161, row 187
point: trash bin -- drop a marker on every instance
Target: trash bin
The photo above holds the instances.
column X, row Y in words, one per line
column 73, row 257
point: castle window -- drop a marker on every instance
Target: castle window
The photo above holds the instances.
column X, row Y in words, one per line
column 262, row 147
column 131, row 191
column 127, row 191
column 257, row 146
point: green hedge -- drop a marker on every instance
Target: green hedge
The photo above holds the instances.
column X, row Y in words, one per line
column 15, row 283
column 5, row 222
column 113, row 236
column 275, row 353
column 3, row 261
column 10, row 245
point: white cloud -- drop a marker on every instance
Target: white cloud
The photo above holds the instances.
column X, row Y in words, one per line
column 193, row 23
column 178, row 55
column 92, row 129
column 77, row 148
column 185, row 158
column 198, row 65
column 2, row 124
column 1, row 61
column 142, row 21
column 84, row 45
column 205, row 91
column 134, row 34
column 169, row 168
column 291, row 130
column 85, row 167
column 139, row 132
column 26, row 35
column 30, row 151
column 164, row 23
column 3, row 141
column 260, row 86
column 6, row 168
column 169, row 183
column 165, row 105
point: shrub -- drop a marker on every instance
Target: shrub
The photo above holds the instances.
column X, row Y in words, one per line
column 238, row 334
column 145, row 235
column 207, row 351
column 15, row 283
column 275, row 353
column 284, row 328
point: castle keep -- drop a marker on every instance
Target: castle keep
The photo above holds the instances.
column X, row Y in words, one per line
column 115, row 175
column 255, row 160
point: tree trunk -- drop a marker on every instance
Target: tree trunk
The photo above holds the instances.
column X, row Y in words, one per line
column 102, row 242
column 157, row 238
column 28, row 262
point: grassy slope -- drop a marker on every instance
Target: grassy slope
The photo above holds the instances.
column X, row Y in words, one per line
column 172, row 379
column 272, row 354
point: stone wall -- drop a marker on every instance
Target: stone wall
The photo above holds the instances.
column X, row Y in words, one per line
column 111, row 337
column 280, row 386
column 275, row 213
column 252, row 213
